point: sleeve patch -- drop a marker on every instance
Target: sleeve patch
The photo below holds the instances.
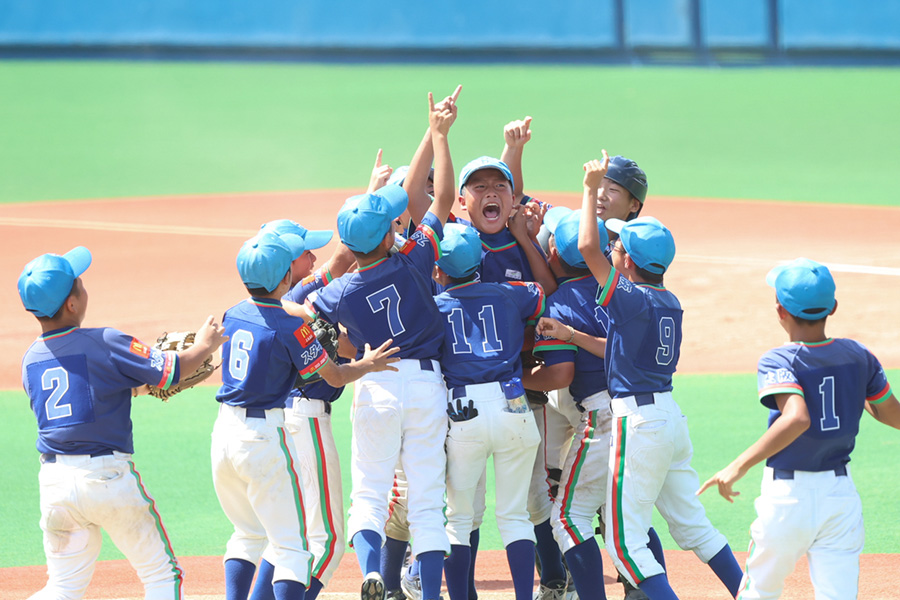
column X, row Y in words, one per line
column 315, row 365
column 139, row 348
column 305, row 335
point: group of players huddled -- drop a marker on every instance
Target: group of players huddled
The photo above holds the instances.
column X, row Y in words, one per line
column 540, row 336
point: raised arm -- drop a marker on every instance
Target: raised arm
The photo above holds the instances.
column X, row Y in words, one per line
column 416, row 181
column 440, row 119
column 588, row 236
column 518, row 226
column 209, row 337
column 794, row 420
column 515, row 135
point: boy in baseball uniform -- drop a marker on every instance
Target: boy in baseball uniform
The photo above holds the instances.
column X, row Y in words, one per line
column 396, row 415
column 484, row 326
column 79, row 381
column 816, row 389
column 307, row 417
column 254, row 462
column 651, row 450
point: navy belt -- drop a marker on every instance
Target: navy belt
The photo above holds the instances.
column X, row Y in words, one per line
column 256, row 413
column 789, row 473
column 426, row 365
column 643, row 399
column 51, row 458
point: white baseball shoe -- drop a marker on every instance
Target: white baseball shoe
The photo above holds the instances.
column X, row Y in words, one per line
column 372, row 587
column 411, row 586
column 553, row 590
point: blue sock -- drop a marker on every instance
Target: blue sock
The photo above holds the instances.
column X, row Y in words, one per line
column 726, row 568
column 262, row 588
column 312, row 592
column 431, row 573
column 238, row 577
column 286, row 589
column 586, row 566
column 520, row 556
column 658, row 588
column 474, row 538
column 655, row 546
column 548, row 552
column 392, row 556
column 414, row 568
column 456, row 568
column 367, row 544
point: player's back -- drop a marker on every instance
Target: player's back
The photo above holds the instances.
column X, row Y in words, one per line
column 484, row 325
column 266, row 349
column 644, row 341
column 835, row 377
column 79, row 381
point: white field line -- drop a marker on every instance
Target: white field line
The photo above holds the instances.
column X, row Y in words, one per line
column 244, row 233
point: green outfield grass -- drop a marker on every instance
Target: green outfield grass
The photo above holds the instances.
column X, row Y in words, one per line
column 172, row 442
column 109, row 129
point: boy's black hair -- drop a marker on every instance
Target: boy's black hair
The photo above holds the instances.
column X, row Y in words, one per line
column 257, row 291
column 571, row 271
column 647, row 276
column 462, row 280
column 803, row 321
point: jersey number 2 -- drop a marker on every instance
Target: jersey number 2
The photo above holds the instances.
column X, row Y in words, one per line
column 57, row 380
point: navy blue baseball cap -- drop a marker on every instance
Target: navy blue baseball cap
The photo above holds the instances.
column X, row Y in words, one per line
column 364, row 220
column 46, row 282
column 460, row 250
column 647, row 241
column 289, row 231
column 479, row 164
column 563, row 223
column 804, row 288
column 629, row 175
column 263, row 261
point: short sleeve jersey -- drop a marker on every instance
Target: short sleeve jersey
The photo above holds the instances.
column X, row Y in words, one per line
column 574, row 303
column 266, row 349
column 644, row 340
column 836, row 378
column 484, row 327
column 318, row 390
column 79, row 382
column 390, row 299
column 502, row 259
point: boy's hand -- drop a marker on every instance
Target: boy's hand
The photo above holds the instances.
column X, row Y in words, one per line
column 517, row 224
column 517, row 133
column 550, row 327
column 380, row 174
column 211, row 335
column 534, row 216
column 595, row 171
column 725, row 479
column 381, row 357
column 442, row 115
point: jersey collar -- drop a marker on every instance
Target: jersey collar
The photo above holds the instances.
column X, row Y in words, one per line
column 57, row 333
column 264, row 302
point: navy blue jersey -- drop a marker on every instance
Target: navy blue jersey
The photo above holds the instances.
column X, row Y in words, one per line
column 79, row 382
column 644, row 340
column 484, row 326
column 317, row 390
column 266, row 349
column 502, row 259
column 836, row 378
column 574, row 303
column 390, row 299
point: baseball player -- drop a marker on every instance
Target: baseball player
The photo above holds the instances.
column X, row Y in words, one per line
column 484, row 326
column 254, row 463
column 79, row 382
column 396, row 415
column 816, row 389
column 572, row 343
column 651, row 450
column 307, row 417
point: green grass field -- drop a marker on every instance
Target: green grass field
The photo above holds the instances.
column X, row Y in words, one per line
column 172, row 443
column 109, row 129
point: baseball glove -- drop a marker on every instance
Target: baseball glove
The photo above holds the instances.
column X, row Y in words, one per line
column 176, row 342
column 327, row 334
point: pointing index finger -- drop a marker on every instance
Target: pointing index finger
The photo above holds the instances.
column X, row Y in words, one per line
column 378, row 158
column 456, row 92
column 431, row 101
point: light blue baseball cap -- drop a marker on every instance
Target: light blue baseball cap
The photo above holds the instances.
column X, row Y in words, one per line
column 364, row 220
column 460, row 250
column 647, row 241
column 479, row 164
column 263, row 261
column 289, row 230
column 563, row 223
column 804, row 288
column 46, row 282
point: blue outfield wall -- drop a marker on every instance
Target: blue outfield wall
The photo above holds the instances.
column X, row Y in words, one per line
column 614, row 25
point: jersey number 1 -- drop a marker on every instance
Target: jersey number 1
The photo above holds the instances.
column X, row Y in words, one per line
column 829, row 420
column 491, row 343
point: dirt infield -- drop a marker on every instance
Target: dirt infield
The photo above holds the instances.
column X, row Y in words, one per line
column 149, row 275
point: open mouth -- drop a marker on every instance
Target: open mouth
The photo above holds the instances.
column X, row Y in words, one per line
column 491, row 211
